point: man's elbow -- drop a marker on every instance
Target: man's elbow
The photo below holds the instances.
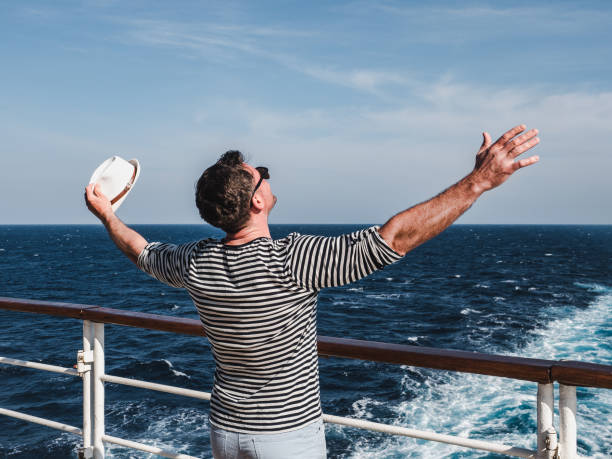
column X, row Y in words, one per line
column 393, row 239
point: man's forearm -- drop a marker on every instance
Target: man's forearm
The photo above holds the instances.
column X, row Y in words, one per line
column 126, row 239
column 416, row 225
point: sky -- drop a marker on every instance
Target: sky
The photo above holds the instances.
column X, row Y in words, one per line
column 359, row 109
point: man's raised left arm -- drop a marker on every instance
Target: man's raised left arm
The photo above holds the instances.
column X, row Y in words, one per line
column 495, row 163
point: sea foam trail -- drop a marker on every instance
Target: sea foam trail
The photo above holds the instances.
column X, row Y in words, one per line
column 173, row 429
column 504, row 410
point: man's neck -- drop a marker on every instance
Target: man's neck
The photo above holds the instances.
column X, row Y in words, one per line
column 248, row 233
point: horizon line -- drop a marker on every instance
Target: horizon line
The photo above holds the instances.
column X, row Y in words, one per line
column 306, row 224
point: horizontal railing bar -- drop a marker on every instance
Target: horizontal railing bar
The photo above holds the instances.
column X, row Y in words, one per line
column 143, row 447
column 105, row 315
column 144, row 320
column 42, row 421
column 158, row 387
column 424, row 435
column 584, row 374
column 442, row 359
column 367, row 425
column 39, row 366
column 51, row 308
column 537, row 370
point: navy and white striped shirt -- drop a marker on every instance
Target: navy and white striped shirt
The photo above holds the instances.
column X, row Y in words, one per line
column 258, row 304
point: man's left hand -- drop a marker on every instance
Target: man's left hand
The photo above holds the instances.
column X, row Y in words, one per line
column 497, row 162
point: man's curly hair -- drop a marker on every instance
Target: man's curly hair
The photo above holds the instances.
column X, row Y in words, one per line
column 223, row 193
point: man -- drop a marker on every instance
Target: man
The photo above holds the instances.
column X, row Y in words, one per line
column 257, row 297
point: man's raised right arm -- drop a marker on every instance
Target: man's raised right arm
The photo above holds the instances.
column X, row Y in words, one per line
column 126, row 239
column 495, row 163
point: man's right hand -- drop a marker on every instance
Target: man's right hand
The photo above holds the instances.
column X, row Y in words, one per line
column 496, row 163
column 97, row 203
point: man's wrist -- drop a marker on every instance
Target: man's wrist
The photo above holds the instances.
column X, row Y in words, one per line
column 473, row 185
column 107, row 218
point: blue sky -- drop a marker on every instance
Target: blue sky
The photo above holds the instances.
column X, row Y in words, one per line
column 360, row 109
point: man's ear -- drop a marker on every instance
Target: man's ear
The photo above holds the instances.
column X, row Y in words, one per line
column 257, row 203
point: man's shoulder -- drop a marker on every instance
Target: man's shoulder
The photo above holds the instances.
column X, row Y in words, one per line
column 288, row 240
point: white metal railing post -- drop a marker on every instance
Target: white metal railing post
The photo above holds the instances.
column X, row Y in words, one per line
column 98, row 390
column 552, row 446
column 545, row 409
column 84, row 361
column 567, row 422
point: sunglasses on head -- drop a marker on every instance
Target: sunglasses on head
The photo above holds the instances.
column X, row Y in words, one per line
column 263, row 174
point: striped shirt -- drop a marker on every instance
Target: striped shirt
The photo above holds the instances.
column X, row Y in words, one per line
column 258, row 305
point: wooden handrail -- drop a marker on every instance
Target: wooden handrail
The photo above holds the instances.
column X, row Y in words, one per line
column 538, row 370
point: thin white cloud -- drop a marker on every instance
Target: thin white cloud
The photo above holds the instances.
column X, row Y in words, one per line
column 569, row 12
column 444, row 24
column 222, row 40
column 367, row 80
column 267, row 31
column 170, row 34
column 39, row 13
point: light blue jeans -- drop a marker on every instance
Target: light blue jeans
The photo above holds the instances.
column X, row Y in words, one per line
column 305, row 443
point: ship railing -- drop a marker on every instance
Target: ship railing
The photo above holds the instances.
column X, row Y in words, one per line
column 90, row 367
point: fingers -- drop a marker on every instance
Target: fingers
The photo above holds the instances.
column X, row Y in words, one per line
column 89, row 191
column 522, row 143
column 515, row 145
column 523, row 147
column 98, row 191
column 525, row 162
column 486, row 141
column 94, row 193
column 505, row 138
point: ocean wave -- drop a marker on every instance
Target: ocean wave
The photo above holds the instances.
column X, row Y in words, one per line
column 384, row 296
column 167, row 427
column 157, row 370
column 597, row 288
column 362, row 408
column 175, row 372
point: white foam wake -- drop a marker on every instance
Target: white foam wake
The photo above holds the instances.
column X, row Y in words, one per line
column 504, row 410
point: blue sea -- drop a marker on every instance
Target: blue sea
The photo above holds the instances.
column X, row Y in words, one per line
column 533, row 291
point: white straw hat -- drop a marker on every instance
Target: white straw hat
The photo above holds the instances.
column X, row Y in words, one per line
column 116, row 178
